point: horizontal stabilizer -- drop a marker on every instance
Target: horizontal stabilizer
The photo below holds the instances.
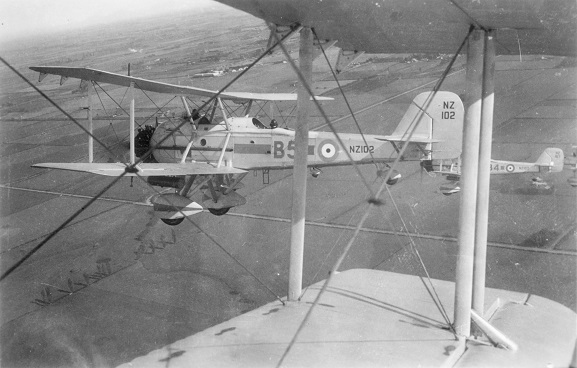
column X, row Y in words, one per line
column 144, row 169
column 160, row 87
column 415, row 138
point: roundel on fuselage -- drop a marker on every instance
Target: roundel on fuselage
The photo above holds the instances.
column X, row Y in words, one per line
column 328, row 150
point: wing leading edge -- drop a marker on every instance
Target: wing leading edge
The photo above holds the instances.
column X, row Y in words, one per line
column 160, row 87
column 144, row 169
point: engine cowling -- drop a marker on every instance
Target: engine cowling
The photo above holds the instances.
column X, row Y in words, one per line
column 172, row 208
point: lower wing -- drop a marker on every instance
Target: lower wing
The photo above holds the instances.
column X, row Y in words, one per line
column 144, row 169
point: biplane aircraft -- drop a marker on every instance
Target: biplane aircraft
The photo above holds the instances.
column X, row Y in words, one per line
column 370, row 317
column 200, row 157
column 551, row 160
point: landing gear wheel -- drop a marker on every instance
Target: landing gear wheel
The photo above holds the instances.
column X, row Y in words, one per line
column 173, row 222
column 219, row 211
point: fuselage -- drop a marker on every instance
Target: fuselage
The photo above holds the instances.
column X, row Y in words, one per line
column 252, row 145
column 497, row 167
column 512, row 167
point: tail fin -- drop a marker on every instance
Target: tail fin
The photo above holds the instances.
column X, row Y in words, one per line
column 440, row 127
column 551, row 160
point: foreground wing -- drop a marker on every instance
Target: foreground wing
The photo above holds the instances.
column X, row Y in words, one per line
column 160, row 87
column 144, row 169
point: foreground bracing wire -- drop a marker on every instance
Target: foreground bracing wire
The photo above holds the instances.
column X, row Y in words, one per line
column 373, row 201
column 132, row 168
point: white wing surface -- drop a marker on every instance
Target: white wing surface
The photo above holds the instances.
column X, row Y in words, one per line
column 160, row 87
column 144, row 169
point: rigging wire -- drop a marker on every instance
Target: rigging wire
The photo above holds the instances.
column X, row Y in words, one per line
column 374, row 201
column 214, row 241
column 113, row 100
column 436, row 299
column 58, row 229
column 477, row 23
column 124, row 95
column 324, row 115
column 53, row 103
column 129, row 168
column 98, row 95
column 149, row 117
column 344, row 97
column 329, row 253
column 155, row 105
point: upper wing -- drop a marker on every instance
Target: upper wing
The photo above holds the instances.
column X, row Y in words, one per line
column 144, row 169
column 160, row 87
column 539, row 27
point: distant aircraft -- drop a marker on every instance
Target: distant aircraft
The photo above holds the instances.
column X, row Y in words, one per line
column 214, row 158
column 551, row 160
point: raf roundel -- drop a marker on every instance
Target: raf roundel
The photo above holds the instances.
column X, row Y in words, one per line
column 510, row 168
column 328, row 150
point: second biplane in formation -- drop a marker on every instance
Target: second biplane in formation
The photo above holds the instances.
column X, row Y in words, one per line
column 197, row 156
column 550, row 161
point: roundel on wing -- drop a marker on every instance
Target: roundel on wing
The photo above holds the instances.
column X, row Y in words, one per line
column 328, row 150
column 510, row 168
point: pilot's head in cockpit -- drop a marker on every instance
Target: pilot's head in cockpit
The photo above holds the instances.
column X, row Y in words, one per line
column 273, row 124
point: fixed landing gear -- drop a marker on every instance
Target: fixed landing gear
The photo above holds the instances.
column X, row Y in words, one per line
column 173, row 222
column 219, row 211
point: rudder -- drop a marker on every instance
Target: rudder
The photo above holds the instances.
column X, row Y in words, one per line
column 440, row 126
column 552, row 159
column 448, row 113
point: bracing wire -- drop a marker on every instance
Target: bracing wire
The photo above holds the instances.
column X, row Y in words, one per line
column 344, row 96
column 129, row 168
column 98, row 95
column 113, row 100
column 58, row 229
column 329, row 253
column 436, row 298
column 53, row 103
column 214, row 241
column 149, row 117
column 434, row 294
column 323, row 113
column 374, row 201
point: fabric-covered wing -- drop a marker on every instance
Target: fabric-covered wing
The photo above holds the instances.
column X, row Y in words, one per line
column 401, row 26
column 144, row 169
column 160, row 87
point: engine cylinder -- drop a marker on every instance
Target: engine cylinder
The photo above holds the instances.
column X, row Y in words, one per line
column 142, row 142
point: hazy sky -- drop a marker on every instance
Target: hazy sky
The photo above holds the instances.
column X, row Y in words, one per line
column 20, row 18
